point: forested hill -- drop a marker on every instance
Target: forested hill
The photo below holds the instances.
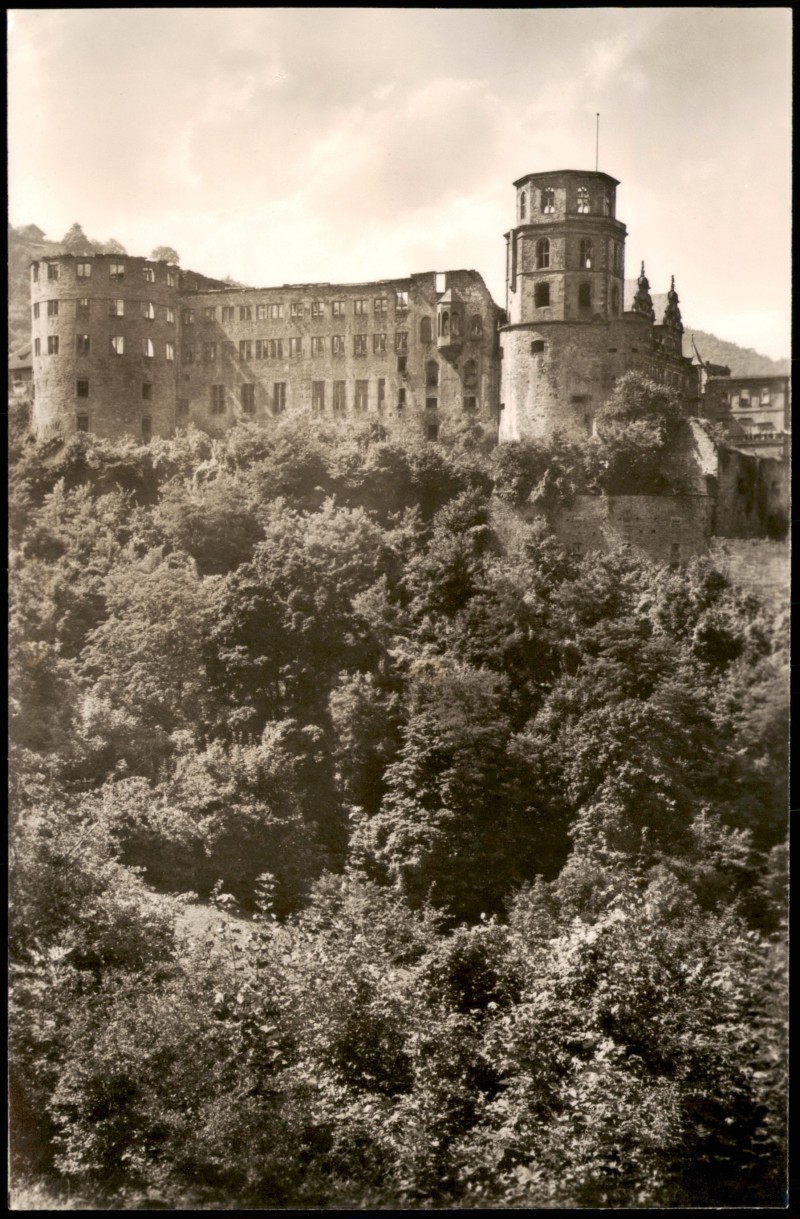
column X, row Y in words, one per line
column 507, row 824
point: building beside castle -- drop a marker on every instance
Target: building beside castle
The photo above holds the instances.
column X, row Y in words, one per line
column 128, row 347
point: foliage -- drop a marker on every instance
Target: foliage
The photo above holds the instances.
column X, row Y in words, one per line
column 489, row 839
column 165, row 253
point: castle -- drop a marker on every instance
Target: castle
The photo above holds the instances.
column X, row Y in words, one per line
column 129, row 347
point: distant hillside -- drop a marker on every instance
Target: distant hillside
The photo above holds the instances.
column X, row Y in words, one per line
column 28, row 242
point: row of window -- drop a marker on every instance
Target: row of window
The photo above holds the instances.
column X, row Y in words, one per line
column 116, row 308
column 116, row 271
column 339, row 400
column 297, row 309
column 82, row 422
column 116, row 346
column 547, row 202
column 541, row 297
column 585, row 255
column 744, row 398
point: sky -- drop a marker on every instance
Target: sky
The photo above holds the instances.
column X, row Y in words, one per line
column 296, row 145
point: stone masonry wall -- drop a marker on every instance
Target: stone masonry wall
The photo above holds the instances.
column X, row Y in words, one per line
column 663, row 528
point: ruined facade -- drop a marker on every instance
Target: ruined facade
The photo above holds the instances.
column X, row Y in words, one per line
column 128, row 347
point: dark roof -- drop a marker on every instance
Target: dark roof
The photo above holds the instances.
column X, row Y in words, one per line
column 556, row 173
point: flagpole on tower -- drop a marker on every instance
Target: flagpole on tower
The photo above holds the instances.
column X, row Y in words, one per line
column 597, row 144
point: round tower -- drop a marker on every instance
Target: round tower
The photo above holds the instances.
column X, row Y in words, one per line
column 566, row 253
column 104, row 345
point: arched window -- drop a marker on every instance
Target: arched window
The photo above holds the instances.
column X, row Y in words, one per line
column 476, row 326
column 548, row 200
column 587, row 254
column 455, row 325
column 523, row 205
column 585, row 296
column 541, row 295
column 615, row 299
column 470, row 374
column 425, row 331
column 444, row 324
column 431, row 373
column 583, row 199
column 542, row 254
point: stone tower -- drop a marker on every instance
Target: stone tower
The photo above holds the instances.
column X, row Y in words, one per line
column 568, row 338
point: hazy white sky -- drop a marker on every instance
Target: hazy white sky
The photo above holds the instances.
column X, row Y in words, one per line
column 286, row 145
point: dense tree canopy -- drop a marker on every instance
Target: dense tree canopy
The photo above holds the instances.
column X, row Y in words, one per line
column 369, row 850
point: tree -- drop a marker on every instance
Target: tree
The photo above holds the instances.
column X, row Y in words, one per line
column 112, row 246
column 165, row 253
column 75, row 241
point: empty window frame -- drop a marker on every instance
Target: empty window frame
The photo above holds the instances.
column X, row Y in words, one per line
column 426, row 330
column 81, row 422
column 218, row 400
column 228, row 313
column 583, row 200
column 470, row 374
column 116, row 270
column 52, row 344
column 523, row 205
column 170, row 351
column 402, row 364
column 276, row 312
column 586, row 255
column 296, row 309
column 360, row 307
column 209, row 353
column 401, row 302
column 83, row 270
column 359, row 344
column 148, row 275
column 401, row 342
column 245, row 349
column 187, row 353
column 36, row 311
column 614, row 299
column 765, row 396
column 83, row 344
column 381, row 393
column 337, row 308
column 209, row 313
column 317, row 397
column 317, row 308
column 432, row 431
column 249, row 399
column 147, row 390
column 362, row 395
column 537, row 347
column 476, row 327
column 170, row 279
column 548, row 200
column 35, row 273
column 337, row 345
column 295, row 346
column 339, row 397
column 381, row 304
column 317, row 345
column 116, row 345
column 37, row 347
column 431, row 404
column 245, row 313
column 542, row 254
column 82, row 388
column 541, row 296
column 170, row 314
column 261, row 313
column 148, row 311
column 279, row 397
column 147, row 428
column 52, row 270
column 444, row 324
column 116, row 308
column 470, row 402
column 584, row 296
column 148, row 350
column 401, row 398
column 379, row 344
column 276, row 349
